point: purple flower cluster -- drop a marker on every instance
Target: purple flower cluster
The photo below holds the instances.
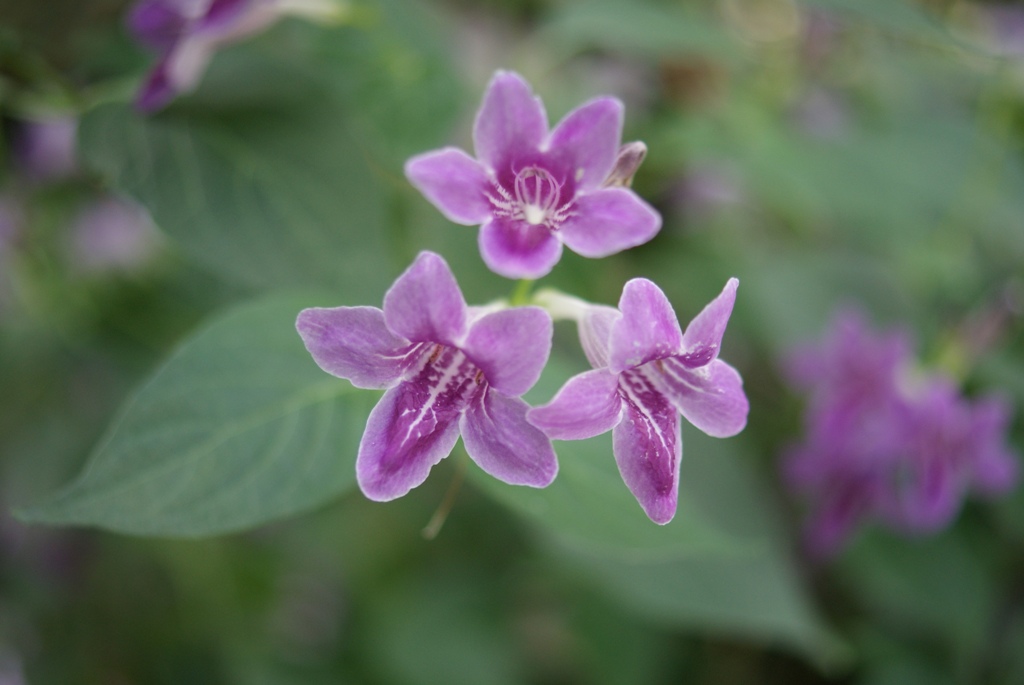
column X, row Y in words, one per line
column 449, row 369
column 883, row 444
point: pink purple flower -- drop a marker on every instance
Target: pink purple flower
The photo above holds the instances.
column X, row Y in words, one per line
column 646, row 372
column 186, row 34
column 448, row 369
column 532, row 190
column 882, row 443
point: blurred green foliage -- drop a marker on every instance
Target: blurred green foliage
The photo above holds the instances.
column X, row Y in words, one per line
column 824, row 151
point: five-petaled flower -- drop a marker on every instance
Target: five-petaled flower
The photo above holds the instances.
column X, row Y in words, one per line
column 448, row 369
column 533, row 190
column 646, row 372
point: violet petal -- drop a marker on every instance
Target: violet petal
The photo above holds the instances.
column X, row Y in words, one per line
column 425, row 303
column 354, row 343
column 648, row 447
column 595, row 329
column 516, row 249
column 587, row 140
column 648, row 328
column 412, row 428
column 223, row 15
column 511, row 347
column 711, row 398
column 587, row 405
column 500, row 440
column 511, row 121
column 702, row 339
column 608, row 221
column 158, row 89
column 156, row 23
column 453, row 182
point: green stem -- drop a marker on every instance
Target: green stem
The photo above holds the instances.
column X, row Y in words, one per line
column 433, row 527
column 521, row 295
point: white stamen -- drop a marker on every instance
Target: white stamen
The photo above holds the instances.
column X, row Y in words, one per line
column 537, row 195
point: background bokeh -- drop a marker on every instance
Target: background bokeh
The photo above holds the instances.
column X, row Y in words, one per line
column 825, row 152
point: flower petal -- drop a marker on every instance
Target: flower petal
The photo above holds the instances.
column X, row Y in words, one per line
column 587, row 405
column 414, row 426
column 425, row 303
column 224, row 15
column 511, row 347
column 703, row 337
column 499, row 439
column 156, row 23
column 928, row 495
column 355, row 344
column 648, row 447
column 996, row 469
column 841, row 509
column 595, row 329
column 711, row 398
column 607, row 221
column 511, row 121
column 157, row 90
column 453, row 182
column 515, row 249
column 179, row 71
column 586, row 141
column 648, row 328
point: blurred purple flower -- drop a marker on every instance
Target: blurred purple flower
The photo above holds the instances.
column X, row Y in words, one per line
column 646, row 372
column 186, row 34
column 705, row 189
column 821, row 37
column 821, row 114
column 1005, row 24
column 45, row 148
column 532, row 189
column 11, row 672
column 877, row 445
column 111, row 234
column 448, row 369
column 950, row 447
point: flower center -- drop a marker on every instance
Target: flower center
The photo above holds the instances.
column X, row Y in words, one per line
column 536, row 199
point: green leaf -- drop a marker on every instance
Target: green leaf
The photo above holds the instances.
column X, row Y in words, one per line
column 395, row 71
column 752, row 589
column 638, row 29
column 942, row 584
column 239, row 427
column 269, row 194
column 895, row 15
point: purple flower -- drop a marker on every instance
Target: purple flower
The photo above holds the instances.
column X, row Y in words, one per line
column 187, row 33
column 448, row 369
column 111, row 234
column 883, row 445
column 949, row 447
column 533, row 190
column 45, row 148
column 646, row 372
